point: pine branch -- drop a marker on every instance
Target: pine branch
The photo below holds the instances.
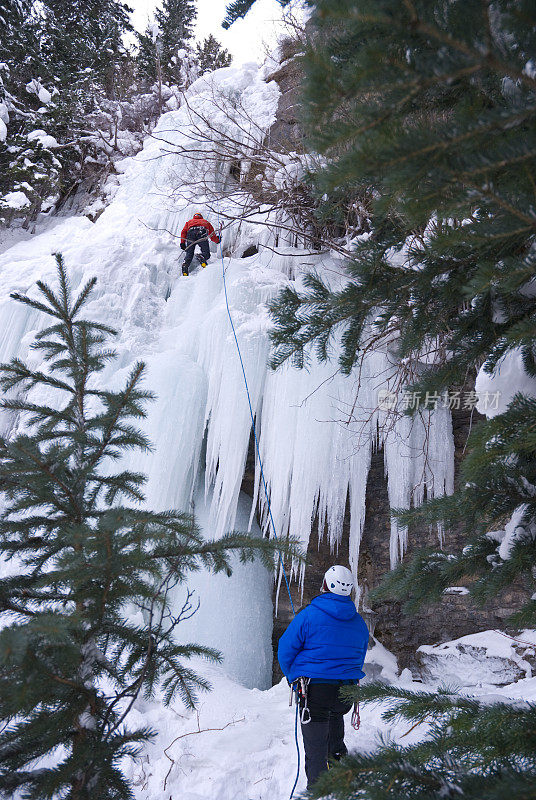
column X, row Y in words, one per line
column 80, row 562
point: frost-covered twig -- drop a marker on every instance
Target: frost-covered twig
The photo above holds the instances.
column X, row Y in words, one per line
column 193, row 733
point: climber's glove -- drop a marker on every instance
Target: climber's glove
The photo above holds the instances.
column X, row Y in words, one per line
column 183, row 245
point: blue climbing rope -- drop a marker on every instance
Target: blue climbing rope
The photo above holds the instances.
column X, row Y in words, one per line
column 297, row 749
column 253, row 423
column 257, row 450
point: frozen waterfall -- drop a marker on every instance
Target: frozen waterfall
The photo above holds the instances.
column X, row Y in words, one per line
column 200, row 425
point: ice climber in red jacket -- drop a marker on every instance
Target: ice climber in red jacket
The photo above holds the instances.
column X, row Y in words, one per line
column 197, row 231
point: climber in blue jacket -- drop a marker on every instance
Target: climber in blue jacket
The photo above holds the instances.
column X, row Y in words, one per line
column 325, row 643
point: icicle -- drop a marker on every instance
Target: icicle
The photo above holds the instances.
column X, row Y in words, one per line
column 316, row 428
column 419, row 457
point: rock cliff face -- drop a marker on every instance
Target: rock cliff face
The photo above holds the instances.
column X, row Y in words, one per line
column 287, row 130
column 456, row 615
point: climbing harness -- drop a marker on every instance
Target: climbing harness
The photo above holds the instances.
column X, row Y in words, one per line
column 299, row 693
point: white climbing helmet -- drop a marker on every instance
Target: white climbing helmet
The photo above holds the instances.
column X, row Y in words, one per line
column 339, row 580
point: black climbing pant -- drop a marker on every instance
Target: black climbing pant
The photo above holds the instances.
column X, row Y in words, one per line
column 323, row 736
column 190, row 247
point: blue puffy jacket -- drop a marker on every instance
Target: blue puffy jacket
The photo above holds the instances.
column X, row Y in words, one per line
column 326, row 641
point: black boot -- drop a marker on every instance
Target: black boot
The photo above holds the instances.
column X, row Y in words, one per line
column 338, row 754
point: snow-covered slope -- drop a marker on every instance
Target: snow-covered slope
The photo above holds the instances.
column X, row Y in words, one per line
column 240, row 743
column 200, row 423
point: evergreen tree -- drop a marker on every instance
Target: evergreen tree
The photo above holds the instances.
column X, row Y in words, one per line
column 11, row 12
column 147, row 55
column 82, row 553
column 474, row 750
column 446, row 137
column 237, row 10
column 431, row 106
column 27, row 169
column 211, row 55
column 81, row 36
column 176, row 21
column 59, row 60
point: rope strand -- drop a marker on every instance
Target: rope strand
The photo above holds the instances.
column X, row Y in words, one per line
column 258, row 453
column 257, row 449
column 297, row 750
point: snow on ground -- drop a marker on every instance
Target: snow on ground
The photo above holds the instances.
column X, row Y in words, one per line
column 253, row 756
column 485, row 658
column 240, row 743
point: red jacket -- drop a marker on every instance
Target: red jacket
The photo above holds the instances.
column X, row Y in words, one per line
column 203, row 223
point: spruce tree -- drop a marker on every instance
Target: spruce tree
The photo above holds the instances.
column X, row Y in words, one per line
column 431, row 108
column 210, row 55
column 82, row 553
column 176, row 21
column 433, row 105
column 474, row 750
column 237, row 10
column 26, row 167
column 147, row 56
column 11, row 12
column 60, row 63
column 85, row 36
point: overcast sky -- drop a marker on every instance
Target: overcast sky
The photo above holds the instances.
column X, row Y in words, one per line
column 247, row 39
